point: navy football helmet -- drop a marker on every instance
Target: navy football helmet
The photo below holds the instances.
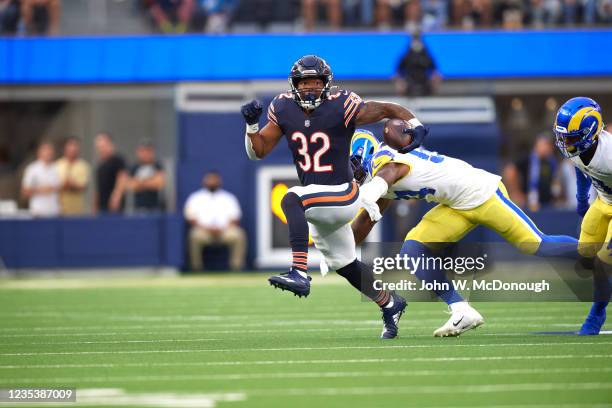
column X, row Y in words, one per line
column 577, row 125
column 310, row 66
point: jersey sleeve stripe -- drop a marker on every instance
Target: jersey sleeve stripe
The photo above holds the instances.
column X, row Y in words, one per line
column 271, row 116
column 348, row 110
column 347, row 121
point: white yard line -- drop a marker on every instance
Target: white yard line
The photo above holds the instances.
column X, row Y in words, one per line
column 298, row 362
column 285, row 349
column 499, row 322
column 425, row 389
column 306, row 375
column 165, row 330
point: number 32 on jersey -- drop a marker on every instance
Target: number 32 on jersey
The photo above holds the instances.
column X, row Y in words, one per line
column 313, row 162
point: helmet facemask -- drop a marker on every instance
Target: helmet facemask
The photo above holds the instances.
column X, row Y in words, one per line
column 310, row 98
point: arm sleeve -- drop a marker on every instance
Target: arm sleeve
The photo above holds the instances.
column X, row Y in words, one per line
column 583, row 184
column 352, row 104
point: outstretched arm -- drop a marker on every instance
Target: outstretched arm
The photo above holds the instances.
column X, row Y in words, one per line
column 374, row 111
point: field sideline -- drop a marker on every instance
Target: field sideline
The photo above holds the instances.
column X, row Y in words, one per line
column 233, row 341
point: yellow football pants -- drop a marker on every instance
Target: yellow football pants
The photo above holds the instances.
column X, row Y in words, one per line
column 596, row 232
column 444, row 224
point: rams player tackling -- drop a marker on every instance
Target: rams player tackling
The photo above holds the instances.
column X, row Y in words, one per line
column 466, row 197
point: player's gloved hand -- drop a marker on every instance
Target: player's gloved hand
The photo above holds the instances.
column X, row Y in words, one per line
column 582, row 206
column 372, row 209
column 251, row 112
column 419, row 133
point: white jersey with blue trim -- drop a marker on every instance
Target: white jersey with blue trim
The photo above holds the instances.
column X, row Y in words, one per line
column 599, row 169
column 438, row 178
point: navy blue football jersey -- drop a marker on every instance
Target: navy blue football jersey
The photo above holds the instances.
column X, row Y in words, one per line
column 319, row 140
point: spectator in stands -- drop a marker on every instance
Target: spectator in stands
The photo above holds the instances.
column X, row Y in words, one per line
column 511, row 13
column 41, row 183
column 74, row 174
column 358, row 13
column 386, row 10
column 310, row 11
column 416, row 72
column 533, row 180
column 9, row 16
column 147, row 179
column 171, row 16
column 434, row 15
column 544, row 13
column 214, row 215
column 41, row 16
column 111, row 176
column 213, row 15
column 469, row 14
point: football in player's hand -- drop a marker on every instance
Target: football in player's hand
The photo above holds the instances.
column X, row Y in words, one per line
column 395, row 135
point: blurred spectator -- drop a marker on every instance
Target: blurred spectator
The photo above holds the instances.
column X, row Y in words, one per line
column 544, row 13
column 532, row 180
column 213, row 15
column 41, row 16
column 111, row 176
column 416, row 72
column 41, row 183
column 310, row 11
column 434, row 14
column 570, row 11
column 74, row 174
column 511, row 13
column 469, row 14
column 171, row 16
column 409, row 10
column 358, row 12
column 214, row 215
column 147, row 179
column 9, row 16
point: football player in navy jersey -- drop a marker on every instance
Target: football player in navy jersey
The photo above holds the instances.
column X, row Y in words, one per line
column 318, row 124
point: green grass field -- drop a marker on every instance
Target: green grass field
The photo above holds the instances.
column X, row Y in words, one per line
column 233, row 341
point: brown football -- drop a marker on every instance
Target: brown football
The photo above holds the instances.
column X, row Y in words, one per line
column 393, row 133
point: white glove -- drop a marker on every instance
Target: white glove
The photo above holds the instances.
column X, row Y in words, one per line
column 369, row 195
column 372, row 210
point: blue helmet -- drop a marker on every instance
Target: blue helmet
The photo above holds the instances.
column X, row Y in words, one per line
column 363, row 147
column 577, row 125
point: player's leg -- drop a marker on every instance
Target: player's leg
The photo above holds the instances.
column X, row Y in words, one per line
column 501, row 215
column 595, row 242
column 442, row 225
column 337, row 245
column 296, row 202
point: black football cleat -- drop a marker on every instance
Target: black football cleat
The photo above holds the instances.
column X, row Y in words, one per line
column 391, row 317
column 293, row 282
